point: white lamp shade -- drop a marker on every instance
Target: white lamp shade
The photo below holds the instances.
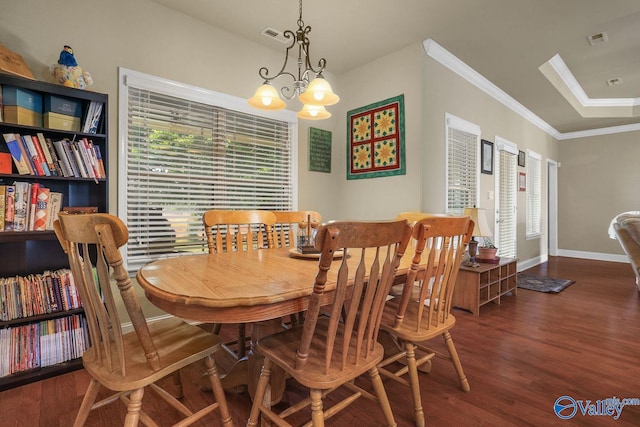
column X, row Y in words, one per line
column 266, row 98
column 313, row 112
column 479, row 217
column 319, row 93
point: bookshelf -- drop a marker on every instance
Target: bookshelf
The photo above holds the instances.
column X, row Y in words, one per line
column 24, row 253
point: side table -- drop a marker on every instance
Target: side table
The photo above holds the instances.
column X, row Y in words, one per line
column 476, row 286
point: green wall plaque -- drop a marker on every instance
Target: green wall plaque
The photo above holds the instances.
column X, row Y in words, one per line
column 319, row 150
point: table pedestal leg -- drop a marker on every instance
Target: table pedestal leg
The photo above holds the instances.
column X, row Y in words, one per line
column 254, row 360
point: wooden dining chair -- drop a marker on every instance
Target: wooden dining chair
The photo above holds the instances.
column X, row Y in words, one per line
column 129, row 363
column 328, row 352
column 415, row 216
column 287, row 222
column 233, row 231
column 423, row 310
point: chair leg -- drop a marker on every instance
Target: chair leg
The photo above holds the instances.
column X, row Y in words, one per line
column 133, row 408
column 87, row 402
column 376, row 381
column 261, row 389
column 177, row 383
column 317, row 414
column 464, row 383
column 218, row 391
column 418, row 415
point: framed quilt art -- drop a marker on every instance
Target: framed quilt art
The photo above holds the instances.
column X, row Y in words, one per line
column 376, row 140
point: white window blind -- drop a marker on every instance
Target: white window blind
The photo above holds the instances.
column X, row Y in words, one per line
column 184, row 157
column 534, row 194
column 507, row 220
column 463, row 140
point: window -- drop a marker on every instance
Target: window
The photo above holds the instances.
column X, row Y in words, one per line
column 184, row 150
column 534, row 194
column 506, row 227
column 463, row 144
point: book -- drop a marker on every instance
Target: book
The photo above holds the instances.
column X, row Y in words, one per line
column 54, row 157
column 47, row 154
column 73, row 146
column 21, row 206
column 92, row 119
column 42, row 201
column 16, row 153
column 53, row 207
column 64, row 155
column 41, row 157
column 6, row 163
column 98, row 153
column 36, row 162
column 3, row 198
column 33, row 201
column 9, row 207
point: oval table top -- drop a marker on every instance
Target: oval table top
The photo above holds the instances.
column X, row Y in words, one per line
column 235, row 286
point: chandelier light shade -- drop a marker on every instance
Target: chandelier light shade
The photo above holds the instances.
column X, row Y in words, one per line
column 307, row 83
column 313, row 112
column 319, row 93
column 266, row 98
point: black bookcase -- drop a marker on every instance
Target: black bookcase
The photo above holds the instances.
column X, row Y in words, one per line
column 33, row 252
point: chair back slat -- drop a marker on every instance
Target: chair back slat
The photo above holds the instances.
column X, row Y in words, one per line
column 440, row 243
column 371, row 255
column 288, row 222
column 231, row 231
column 92, row 242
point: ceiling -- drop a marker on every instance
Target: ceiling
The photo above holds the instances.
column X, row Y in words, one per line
column 508, row 42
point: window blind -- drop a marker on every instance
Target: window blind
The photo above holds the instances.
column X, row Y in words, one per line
column 463, row 140
column 184, row 157
column 507, row 171
column 534, row 194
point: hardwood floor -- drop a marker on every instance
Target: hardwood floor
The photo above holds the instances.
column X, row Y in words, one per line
column 519, row 356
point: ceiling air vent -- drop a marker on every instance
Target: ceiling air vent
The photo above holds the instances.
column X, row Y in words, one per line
column 275, row 34
column 615, row 81
column 598, row 38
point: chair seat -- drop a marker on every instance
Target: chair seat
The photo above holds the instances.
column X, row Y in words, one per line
column 178, row 344
column 408, row 328
column 282, row 346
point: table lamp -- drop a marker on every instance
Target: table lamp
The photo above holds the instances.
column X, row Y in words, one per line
column 481, row 229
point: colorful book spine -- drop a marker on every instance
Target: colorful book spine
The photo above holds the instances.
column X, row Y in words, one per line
column 33, row 201
column 21, row 206
column 19, row 159
column 53, row 207
column 9, row 207
column 3, row 198
column 42, row 142
column 36, row 162
column 42, row 200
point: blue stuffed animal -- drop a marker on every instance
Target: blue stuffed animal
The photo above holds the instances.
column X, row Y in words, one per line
column 68, row 73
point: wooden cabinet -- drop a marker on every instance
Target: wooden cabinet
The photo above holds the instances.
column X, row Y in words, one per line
column 476, row 286
column 23, row 253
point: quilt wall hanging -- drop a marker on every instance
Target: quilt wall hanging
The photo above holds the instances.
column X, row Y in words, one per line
column 376, row 140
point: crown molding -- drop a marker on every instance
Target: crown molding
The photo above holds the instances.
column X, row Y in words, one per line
column 446, row 58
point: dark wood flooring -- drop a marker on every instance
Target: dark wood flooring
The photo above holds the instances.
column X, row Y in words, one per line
column 519, row 356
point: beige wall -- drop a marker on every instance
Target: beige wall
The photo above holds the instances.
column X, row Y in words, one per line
column 599, row 178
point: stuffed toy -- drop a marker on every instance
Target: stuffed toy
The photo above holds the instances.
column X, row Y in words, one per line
column 68, row 73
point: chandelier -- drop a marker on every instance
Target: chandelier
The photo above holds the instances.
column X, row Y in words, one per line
column 314, row 94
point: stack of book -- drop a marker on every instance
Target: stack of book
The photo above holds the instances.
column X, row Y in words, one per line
column 42, row 344
column 37, row 294
column 26, row 206
column 40, row 156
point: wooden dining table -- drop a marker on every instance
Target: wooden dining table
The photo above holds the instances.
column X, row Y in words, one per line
column 257, row 287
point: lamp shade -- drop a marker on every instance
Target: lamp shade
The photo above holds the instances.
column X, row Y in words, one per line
column 313, row 112
column 319, row 93
column 479, row 217
column 267, row 98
